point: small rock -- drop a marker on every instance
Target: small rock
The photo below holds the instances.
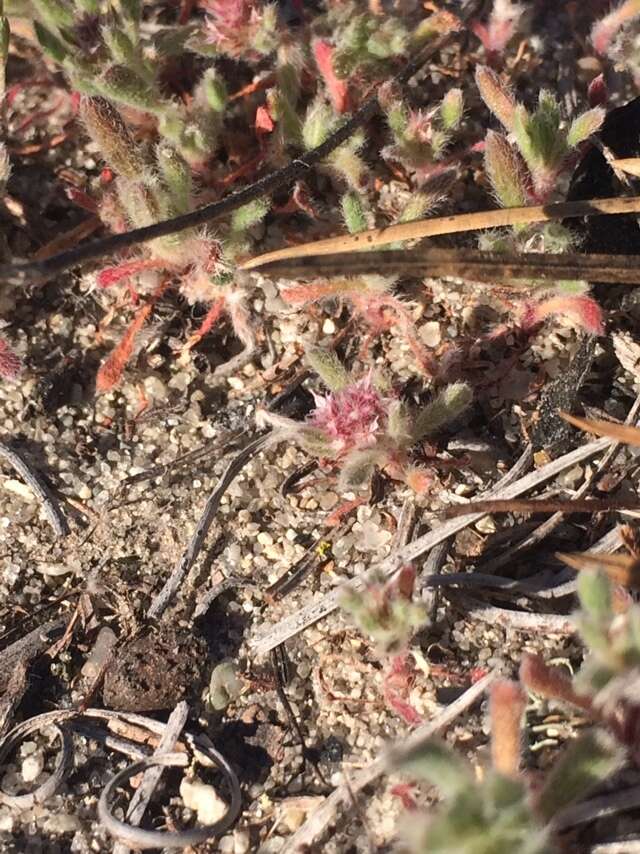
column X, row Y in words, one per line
column 32, row 767
column 203, row 800
column 62, row 823
column 431, row 334
column 241, row 841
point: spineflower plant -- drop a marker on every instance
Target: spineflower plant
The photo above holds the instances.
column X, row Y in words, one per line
column 542, row 144
column 506, row 810
column 387, row 613
column 152, row 185
column 606, row 686
column 361, row 425
column 523, row 167
column 420, row 137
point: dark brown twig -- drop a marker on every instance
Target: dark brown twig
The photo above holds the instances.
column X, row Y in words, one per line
column 37, row 483
column 541, row 505
column 549, row 525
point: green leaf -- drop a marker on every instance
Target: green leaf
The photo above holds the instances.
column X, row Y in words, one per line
column 56, row 14
column 121, row 84
column 451, row 109
column 214, row 90
column 176, row 174
column 594, row 592
column 584, row 764
column 505, row 170
column 357, row 470
column 224, row 686
column 249, row 215
column 353, row 212
column 438, row 765
column 328, row 367
column 446, row 407
column 50, row 44
column 318, row 124
column 584, row 126
column 399, row 423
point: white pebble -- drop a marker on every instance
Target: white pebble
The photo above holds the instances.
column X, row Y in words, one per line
column 203, row 800
column 431, row 334
column 32, row 767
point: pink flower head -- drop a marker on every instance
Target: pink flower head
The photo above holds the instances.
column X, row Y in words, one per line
column 231, row 25
column 352, row 417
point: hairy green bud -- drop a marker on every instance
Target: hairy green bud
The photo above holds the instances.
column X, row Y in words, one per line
column 328, row 367
column 106, row 127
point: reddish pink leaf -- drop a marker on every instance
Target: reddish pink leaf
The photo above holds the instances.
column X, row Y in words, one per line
column 264, row 123
column 338, row 92
column 582, row 310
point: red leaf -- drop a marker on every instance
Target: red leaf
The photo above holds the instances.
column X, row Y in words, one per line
column 264, row 123
column 338, row 92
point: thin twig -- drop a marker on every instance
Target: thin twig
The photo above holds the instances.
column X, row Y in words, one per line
column 235, row 466
column 596, row 808
column 112, row 742
column 547, row 527
column 322, row 817
column 626, row 846
column 524, row 621
column 151, row 777
column 541, row 505
column 34, row 479
column 288, row 627
column 41, row 270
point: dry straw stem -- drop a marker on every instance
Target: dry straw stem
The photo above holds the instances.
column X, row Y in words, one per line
column 468, row 264
column 620, row 432
column 621, row 569
column 453, row 224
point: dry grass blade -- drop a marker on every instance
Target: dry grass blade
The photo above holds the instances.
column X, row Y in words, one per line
column 609, row 429
column 454, row 224
column 630, row 165
column 621, row 569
